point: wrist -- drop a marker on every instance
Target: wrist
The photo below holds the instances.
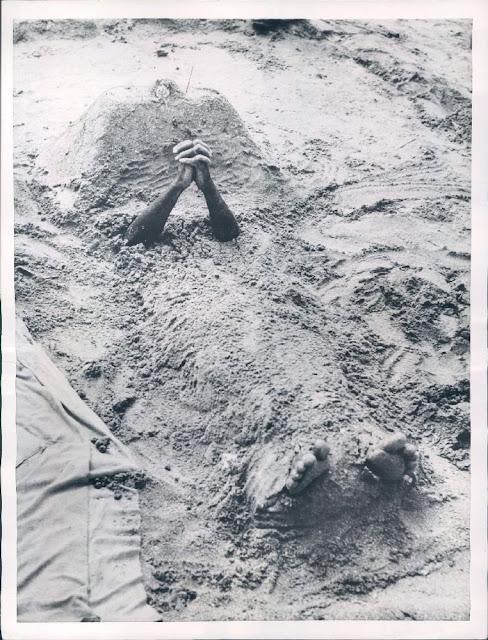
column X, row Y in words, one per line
column 208, row 187
column 176, row 187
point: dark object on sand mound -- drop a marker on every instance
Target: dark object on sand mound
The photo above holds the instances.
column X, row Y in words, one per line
column 265, row 26
column 298, row 26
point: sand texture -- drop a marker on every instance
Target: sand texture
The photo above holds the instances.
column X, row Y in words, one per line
column 341, row 312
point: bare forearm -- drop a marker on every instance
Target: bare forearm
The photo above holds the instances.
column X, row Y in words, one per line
column 224, row 224
column 150, row 223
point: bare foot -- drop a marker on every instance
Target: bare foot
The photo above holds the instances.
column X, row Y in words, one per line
column 308, row 466
column 395, row 461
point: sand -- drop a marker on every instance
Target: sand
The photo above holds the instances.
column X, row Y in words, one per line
column 341, row 312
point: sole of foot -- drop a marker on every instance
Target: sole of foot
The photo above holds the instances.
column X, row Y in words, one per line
column 308, row 466
column 394, row 461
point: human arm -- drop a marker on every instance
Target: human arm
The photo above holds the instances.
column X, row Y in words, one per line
column 197, row 155
column 148, row 226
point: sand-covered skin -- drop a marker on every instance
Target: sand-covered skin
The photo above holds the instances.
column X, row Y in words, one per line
column 341, row 312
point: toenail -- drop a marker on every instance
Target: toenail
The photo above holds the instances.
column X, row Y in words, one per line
column 321, row 449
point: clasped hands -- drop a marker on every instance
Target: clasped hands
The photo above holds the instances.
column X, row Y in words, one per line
column 194, row 159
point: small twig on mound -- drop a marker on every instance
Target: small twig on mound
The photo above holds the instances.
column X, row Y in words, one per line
column 188, row 84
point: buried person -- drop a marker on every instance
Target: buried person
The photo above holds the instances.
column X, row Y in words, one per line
column 194, row 158
column 394, row 462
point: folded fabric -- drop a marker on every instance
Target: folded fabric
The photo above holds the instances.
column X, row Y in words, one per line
column 78, row 549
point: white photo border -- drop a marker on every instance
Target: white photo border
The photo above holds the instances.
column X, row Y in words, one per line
column 477, row 10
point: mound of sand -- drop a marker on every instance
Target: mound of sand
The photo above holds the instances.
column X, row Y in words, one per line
column 121, row 148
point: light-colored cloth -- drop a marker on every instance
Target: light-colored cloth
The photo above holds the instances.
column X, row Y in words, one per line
column 78, row 549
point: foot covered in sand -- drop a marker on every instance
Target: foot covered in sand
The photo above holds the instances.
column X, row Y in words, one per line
column 395, row 461
column 308, row 466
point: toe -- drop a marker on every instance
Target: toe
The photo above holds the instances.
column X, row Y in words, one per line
column 291, row 484
column 410, row 452
column 321, row 449
column 309, row 460
column 395, row 444
column 408, row 481
column 296, row 475
column 300, row 467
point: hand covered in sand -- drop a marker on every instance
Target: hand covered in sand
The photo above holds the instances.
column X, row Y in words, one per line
column 196, row 155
